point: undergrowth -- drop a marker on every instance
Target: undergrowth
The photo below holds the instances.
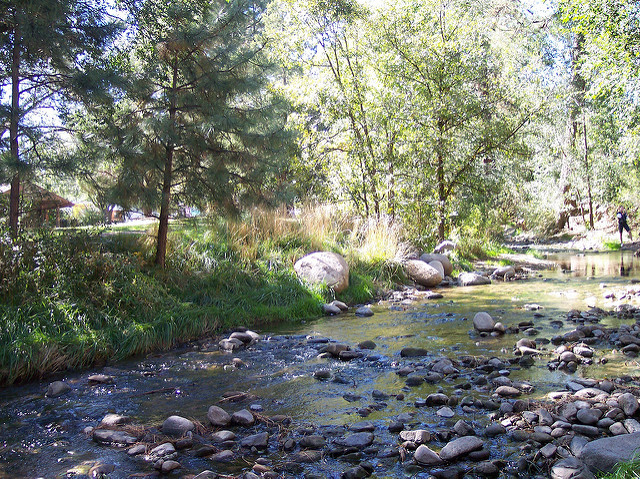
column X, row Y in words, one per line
column 71, row 299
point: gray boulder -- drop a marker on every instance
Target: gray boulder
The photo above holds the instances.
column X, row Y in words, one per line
column 446, row 263
column 472, row 279
column 460, row 447
column 259, row 441
column 426, row 456
column 177, row 426
column 243, row 418
column 57, row 388
column 218, row 417
column 359, row 440
column 423, row 273
column 571, row 468
column 324, row 267
column 117, row 438
column 602, row 455
column 483, row 322
column 438, row 265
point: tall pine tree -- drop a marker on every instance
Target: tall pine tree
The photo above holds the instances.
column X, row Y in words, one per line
column 199, row 125
column 48, row 53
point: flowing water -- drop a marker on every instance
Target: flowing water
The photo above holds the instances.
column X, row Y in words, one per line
column 43, row 437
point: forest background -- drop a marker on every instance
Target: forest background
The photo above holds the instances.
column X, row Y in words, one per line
column 371, row 129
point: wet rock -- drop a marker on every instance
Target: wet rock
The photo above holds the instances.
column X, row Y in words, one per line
column 330, row 309
column 223, row 436
column 116, row 438
column 494, row 429
column 487, row 468
column 349, row 355
column 364, row 311
column 548, row 451
column 305, row 457
column 437, row 399
column 57, row 389
column 243, row 336
column 230, row 344
column 426, row 456
column 218, row 417
column 113, row 420
column 460, row 447
column 313, row 442
column 357, row 472
column 260, row 441
column 419, row 436
column 571, row 468
column 410, row 352
column 223, row 456
column 508, row 391
column 358, row 440
column 177, row 426
column 137, row 450
column 95, row 379
column 367, row 345
column 322, row 374
column 168, row 466
column 364, row 426
column 206, row 475
column 243, row 418
column 340, row 304
column 162, row 450
column 443, row 366
column 101, row 470
column 445, row 412
column 604, row 454
column 335, row 349
column 462, row 428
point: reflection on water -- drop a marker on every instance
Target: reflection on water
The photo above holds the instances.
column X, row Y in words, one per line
column 41, row 434
column 601, row 265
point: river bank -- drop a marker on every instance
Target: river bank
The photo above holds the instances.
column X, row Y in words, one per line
column 317, row 388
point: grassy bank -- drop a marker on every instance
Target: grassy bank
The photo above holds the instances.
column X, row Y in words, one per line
column 71, row 299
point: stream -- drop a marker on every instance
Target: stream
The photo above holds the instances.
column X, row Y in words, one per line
column 47, row 437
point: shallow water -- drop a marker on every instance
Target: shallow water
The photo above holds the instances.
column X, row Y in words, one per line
column 43, row 437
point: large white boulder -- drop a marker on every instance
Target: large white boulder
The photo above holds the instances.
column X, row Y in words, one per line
column 324, row 267
column 423, row 273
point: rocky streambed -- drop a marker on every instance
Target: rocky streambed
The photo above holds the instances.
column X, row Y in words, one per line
column 422, row 388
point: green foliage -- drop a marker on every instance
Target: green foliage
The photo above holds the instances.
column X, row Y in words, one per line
column 627, row 470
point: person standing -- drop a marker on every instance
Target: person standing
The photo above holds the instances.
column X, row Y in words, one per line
column 622, row 223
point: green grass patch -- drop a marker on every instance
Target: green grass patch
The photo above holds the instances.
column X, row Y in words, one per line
column 627, row 470
column 611, row 245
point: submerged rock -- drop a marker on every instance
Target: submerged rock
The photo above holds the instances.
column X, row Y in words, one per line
column 57, row 389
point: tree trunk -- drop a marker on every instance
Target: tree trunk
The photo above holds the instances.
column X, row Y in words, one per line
column 163, row 226
column 14, row 196
column 588, row 173
column 442, row 198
